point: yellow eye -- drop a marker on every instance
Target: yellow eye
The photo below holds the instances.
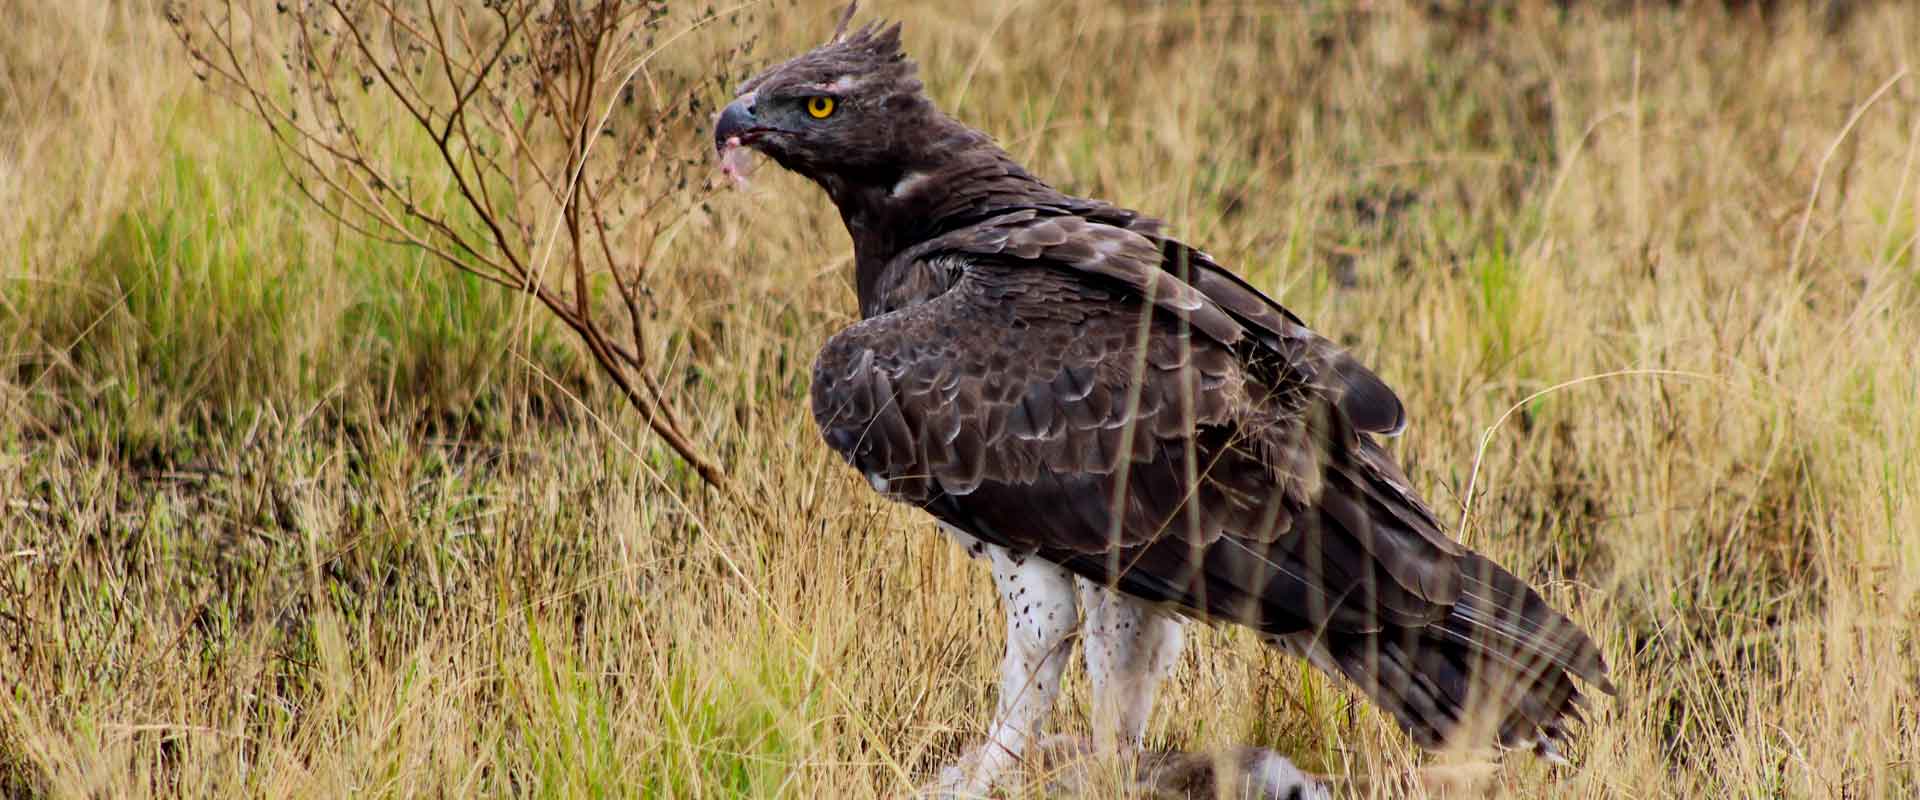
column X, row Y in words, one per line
column 820, row 107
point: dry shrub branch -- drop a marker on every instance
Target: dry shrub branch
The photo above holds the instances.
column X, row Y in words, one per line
column 526, row 181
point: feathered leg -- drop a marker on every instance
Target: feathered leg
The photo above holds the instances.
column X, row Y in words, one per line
column 1130, row 647
column 1039, row 599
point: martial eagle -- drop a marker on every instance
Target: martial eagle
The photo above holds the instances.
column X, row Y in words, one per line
column 1130, row 434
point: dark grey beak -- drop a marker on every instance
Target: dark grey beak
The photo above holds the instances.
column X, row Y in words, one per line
column 736, row 120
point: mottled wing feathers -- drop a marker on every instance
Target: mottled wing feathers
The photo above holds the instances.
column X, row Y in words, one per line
column 1095, row 250
column 1119, row 245
column 1017, row 376
column 1370, row 405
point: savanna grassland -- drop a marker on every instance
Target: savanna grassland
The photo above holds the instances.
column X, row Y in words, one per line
column 288, row 512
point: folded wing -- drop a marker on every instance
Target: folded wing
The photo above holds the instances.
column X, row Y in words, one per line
column 1067, row 392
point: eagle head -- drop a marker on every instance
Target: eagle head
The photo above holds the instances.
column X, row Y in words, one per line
column 847, row 113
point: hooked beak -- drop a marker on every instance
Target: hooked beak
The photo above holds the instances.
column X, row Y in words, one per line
column 735, row 122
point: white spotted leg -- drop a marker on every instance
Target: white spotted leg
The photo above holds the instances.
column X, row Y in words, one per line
column 1041, row 615
column 1130, row 647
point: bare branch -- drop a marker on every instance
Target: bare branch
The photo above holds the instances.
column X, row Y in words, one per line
column 508, row 107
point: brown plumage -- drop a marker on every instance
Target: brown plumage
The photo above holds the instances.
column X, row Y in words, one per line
column 1057, row 376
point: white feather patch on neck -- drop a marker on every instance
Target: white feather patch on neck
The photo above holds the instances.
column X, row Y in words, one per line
column 909, row 183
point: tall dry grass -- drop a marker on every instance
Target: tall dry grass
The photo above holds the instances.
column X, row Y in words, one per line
column 289, row 513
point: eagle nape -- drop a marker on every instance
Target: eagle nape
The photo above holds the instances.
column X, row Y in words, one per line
column 1131, row 436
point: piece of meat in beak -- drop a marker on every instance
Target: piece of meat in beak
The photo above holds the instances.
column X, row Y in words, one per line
column 731, row 127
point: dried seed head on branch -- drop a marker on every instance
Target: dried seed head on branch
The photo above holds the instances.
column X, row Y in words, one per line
column 519, row 141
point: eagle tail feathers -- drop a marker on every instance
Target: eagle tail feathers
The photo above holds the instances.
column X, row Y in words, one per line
column 1499, row 667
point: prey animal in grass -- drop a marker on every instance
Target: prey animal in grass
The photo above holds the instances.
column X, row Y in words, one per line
column 1130, row 435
